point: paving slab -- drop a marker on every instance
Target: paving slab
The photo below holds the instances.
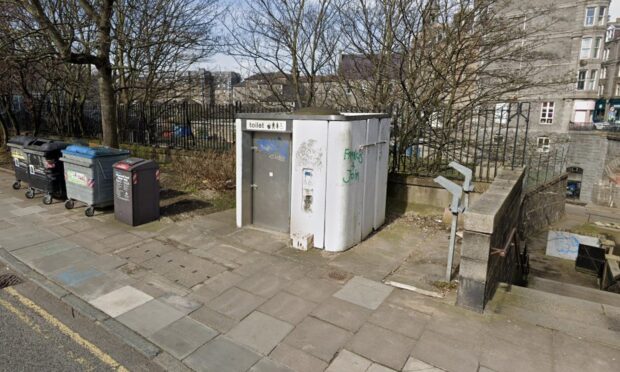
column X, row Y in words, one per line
column 260, row 332
column 170, row 363
column 382, row 346
column 447, row 353
column 33, row 209
column 183, row 337
column 416, row 365
column 23, row 236
column 364, row 292
column 219, row 252
column 34, row 252
column 268, row 365
column 150, row 317
column 221, row 355
column 184, row 304
column 145, row 251
column 213, row 319
column 62, row 260
column 342, row 313
column 235, row 303
column 98, row 286
column 404, row 321
column 379, row 368
column 214, row 286
column 287, row 307
column 318, row 338
column 264, row 285
column 120, row 301
column 297, row 360
column 158, row 283
column 347, row 361
column 573, row 354
column 73, row 277
column 502, row 355
column 312, row 289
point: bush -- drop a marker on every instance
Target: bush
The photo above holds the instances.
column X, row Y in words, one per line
column 206, row 169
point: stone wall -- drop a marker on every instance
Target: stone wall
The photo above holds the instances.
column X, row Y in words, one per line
column 543, row 205
column 588, row 150
column 423, row 190
column 488, row 224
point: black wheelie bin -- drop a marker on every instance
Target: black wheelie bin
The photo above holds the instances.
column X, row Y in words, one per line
column 20, row 160
column 46, row 169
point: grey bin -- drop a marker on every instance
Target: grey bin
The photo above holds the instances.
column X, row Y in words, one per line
column 20, row 159
column 136, row 191
column 88, row 175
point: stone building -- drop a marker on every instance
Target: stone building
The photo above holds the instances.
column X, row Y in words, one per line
column 562, row 114
column 269, row 89
column 223, row 83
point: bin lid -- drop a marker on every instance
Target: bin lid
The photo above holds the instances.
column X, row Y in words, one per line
column 92, row 152
column 133, row 164
column 20, row 140
column 46, row 145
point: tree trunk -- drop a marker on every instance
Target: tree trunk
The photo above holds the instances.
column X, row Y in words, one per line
column 108, row 107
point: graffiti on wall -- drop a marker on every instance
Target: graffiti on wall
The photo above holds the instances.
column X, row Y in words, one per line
column 355, row 158
column 274, row 149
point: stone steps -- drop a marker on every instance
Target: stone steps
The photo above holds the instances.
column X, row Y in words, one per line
column 574, row 316
column 575, row 291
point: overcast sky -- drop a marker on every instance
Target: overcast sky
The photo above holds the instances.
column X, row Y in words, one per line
column 614, row 9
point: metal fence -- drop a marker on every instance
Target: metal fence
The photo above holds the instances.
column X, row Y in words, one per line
column 483, row 139
column 185, row 125
column 546, row 166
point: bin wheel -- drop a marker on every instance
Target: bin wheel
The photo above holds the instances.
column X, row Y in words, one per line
column 47, row 199
column 69, row 204
column 17, row 185
column 30, row 193
column 90, row 211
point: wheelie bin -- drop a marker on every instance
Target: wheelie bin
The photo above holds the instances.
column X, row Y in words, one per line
column 20, row 160
column 45, row 169
column 89, row 175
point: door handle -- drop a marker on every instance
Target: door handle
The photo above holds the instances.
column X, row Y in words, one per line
column 254, row 186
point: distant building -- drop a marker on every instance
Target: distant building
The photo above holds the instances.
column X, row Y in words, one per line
column 269, row 89
column 223, row 83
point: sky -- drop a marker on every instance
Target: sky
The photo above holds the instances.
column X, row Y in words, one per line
column 614, row 9
column 222, row 62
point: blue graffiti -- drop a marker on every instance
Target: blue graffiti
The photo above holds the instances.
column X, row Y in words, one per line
column 275, row 149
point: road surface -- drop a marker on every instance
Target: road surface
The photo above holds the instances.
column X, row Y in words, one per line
column 40, row 333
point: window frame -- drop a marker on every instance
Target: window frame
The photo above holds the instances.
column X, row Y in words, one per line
column 592, row 80
column 582, row 81
column 600, row 18
column 592, row 17
column 547, row 112
column 596, row 47
column 588, row 49
column 541, row 146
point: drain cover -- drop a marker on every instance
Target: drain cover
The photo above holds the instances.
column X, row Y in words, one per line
column 8, row 280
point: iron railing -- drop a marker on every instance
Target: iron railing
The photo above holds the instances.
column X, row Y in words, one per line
column 483, row 139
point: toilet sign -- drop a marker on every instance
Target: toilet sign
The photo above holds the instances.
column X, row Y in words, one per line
column 266, row 125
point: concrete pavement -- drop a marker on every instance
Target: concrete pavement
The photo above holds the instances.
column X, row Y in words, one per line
column 201, row 294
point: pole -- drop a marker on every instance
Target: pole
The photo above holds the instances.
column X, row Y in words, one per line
column 455, row 219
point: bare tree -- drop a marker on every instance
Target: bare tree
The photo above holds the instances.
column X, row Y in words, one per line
column 158, row 41
column 439, row 60
column 296, row 38
column 69, row 25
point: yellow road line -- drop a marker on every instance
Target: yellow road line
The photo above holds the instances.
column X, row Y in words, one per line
column 75, row 337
